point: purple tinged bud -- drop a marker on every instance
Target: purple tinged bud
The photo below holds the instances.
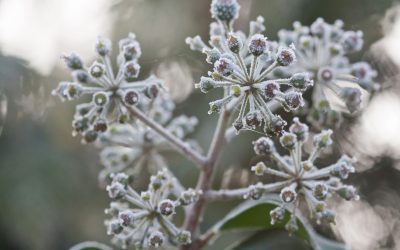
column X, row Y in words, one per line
column 166, row 207
column 257, row 44
column 271, row 89
column 156, row 239
column 224, row 66
column 263, row 146
column 225, row 10
column 288, row 194
column 352, row 98
column 285, row 56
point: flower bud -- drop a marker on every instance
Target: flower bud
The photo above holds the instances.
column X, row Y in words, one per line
column 318, row 27
column 131, row 71
column 151, row 91
column 271, row 89
column 285, row 56
column 131, row 97
column 121, row 178
column 100, row 125
column 145, row 195
column 288, row 140
column 100, row 98
column 238, row 124
column 156, row 239
column 342, row 169
column 352, row 98
column 236, row 90
column 80, row 125
column 206, row 84
column 116, row 190
column 301, row 81
column 307, row 165
column 73, row 61
column 253, row 119
column 67, row 91
column 320, row 191
column 103, row 46
column 90, row 136
column 126, row 217
column 166, row 207
column 299, row 129
column 213, row 55
column 114, row 227
column 184, row 237
column 292, row 226
column 254, row 193
column 257, row 44
column 348, row 193
column 323, row 139
column 328, row 216
column 288, row 194
column 234, row 43
column 320, row 207
column 131, row 51
column 263, row 146
column 259, row 169
column 189, row 196
column 276, row 125
column 326, row 74
column 80, row 76
column 352, row 41
column 225, row 10
column 97, row 70
column 277, row 215
column 224, row 66
column 293, row 100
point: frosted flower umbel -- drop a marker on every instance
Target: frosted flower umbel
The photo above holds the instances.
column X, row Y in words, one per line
column 134, row 147
column 322, row 50
column 244, row 67
column 109, row 93
column 144, row 220
column 301, row 179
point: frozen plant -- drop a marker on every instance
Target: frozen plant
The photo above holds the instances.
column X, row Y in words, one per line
column 133, row 123
column 244, row 67
column 145, row 219
column 110, row 94
column 132, row 148
column 323, row 50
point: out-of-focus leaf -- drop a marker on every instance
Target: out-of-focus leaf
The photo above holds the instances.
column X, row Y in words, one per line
column 255, row 215
column 90, row 245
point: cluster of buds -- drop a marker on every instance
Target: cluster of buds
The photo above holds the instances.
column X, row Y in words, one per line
column 132, row 147
column 110, row 94
column 246, row 68
column 145, row 220
column 322, row 50
column 300, row 177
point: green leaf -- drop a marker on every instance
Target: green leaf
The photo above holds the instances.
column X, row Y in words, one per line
column 90, row 245
column 255, row 215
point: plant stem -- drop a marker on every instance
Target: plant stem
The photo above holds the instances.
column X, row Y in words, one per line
column 177, row 143
column 205, row 178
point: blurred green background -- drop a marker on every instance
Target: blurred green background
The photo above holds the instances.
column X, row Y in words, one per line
column 49, row 194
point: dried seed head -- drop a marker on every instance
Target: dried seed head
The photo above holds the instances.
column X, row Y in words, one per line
column 101, row 98
column 224, row 66
column 234, row 43
column 103, row 46
column 257, row 44
column 285, row 56
column 277, row 215
column 264, row 146
column 225, row 10
column 97, row 70
column 299, row 129
column 320, row 191
column 288, row 195
column 301, row 81
column 166, row 207
column 131, row 71
column 156, row 239
column 288, row 140
column 131, row 97
column 271, row 89
column 259, row 169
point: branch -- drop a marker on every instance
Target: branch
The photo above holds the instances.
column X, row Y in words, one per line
column 204, row 181
column 177, row 143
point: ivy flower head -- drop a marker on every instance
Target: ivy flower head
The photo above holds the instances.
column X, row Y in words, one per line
column 131, row 147
column 109, row 93
column 300, row 178
column 323, row 50
column 144, row 220
column 244, row 66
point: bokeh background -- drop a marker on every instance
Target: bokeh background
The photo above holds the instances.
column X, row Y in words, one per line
column 49, row 194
